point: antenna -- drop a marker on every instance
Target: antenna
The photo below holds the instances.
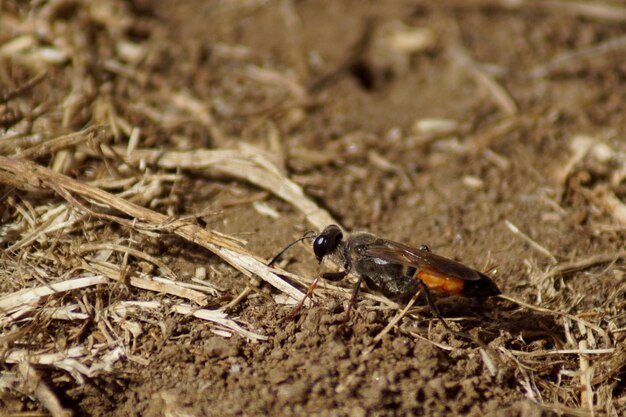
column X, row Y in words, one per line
column 309, row 234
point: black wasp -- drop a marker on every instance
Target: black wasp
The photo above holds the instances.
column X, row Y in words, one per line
column 394, row 269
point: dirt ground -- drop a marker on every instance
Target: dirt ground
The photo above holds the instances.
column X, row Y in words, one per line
column 492, row 131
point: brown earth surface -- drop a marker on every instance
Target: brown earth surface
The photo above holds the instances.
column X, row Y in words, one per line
column 492, row 131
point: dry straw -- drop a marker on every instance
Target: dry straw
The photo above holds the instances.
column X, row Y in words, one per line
column 105, row 303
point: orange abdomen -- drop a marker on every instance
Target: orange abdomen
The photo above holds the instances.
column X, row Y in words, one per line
column 441, row 283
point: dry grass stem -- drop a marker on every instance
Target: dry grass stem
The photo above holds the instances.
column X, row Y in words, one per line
column 414, row 333
column 48, row 147
column 18, row 91
column 580, row 264
column 218, row 317
column 568, row 58
column 237, row 300
column 162, row 286
column 24, row 173
column 539, row 248
column 600, row 331
column 502, row 98
column 590, row 10
column 198, row 287
column 481, row 140
column 390, row 325
column 598, row 11
column 31, row 296
column 242, row 164
column 581, row 145
column 128, row 141
column 186, row 102
column 272, row 77
column 68, row 360
column 580, row 351
column 92, row 247
column 586, row 392
column 57, row 218
column 561, row 409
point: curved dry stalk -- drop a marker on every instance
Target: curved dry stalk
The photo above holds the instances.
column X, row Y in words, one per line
column 28, row 175
column 243, row 164
column 50, row 146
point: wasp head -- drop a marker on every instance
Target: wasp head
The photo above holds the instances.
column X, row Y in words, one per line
column 327, row 241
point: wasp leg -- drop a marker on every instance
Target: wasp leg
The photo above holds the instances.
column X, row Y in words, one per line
column 338, row 276
column 355, row 293
column 308, row 294
column 334, row 276
column 437, row 314
column 330, row 276
column 433, row 306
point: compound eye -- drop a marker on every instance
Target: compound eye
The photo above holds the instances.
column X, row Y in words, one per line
column 320, row 247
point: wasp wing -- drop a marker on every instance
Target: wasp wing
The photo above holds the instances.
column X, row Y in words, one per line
column 422, row 260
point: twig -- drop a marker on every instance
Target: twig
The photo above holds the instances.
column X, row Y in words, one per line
column 514, row 229
column 581, row 351
column 242, row 164
column 25, row 174
column 591, row 10
column 502, row 98
column 586, row 392
column 162, row 286
column 568, row 57
column 601, row 12
column 5, row 97
column 580, row 264
column 412, row 332
column 53, row 145
column 32, row 296
column 219, row 317
column 125, row 249
column 605, row 336
column 581, row 144
column 240, row 297
column 185, row 101
column 390, row 326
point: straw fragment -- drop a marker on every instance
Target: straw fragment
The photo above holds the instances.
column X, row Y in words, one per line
column 24, row 173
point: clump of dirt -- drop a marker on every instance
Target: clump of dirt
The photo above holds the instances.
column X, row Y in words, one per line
column 491, row 131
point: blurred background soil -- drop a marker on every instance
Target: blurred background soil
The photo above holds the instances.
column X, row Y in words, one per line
column 492, row 131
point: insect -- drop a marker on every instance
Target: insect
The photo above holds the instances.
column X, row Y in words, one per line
column 396, row 270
